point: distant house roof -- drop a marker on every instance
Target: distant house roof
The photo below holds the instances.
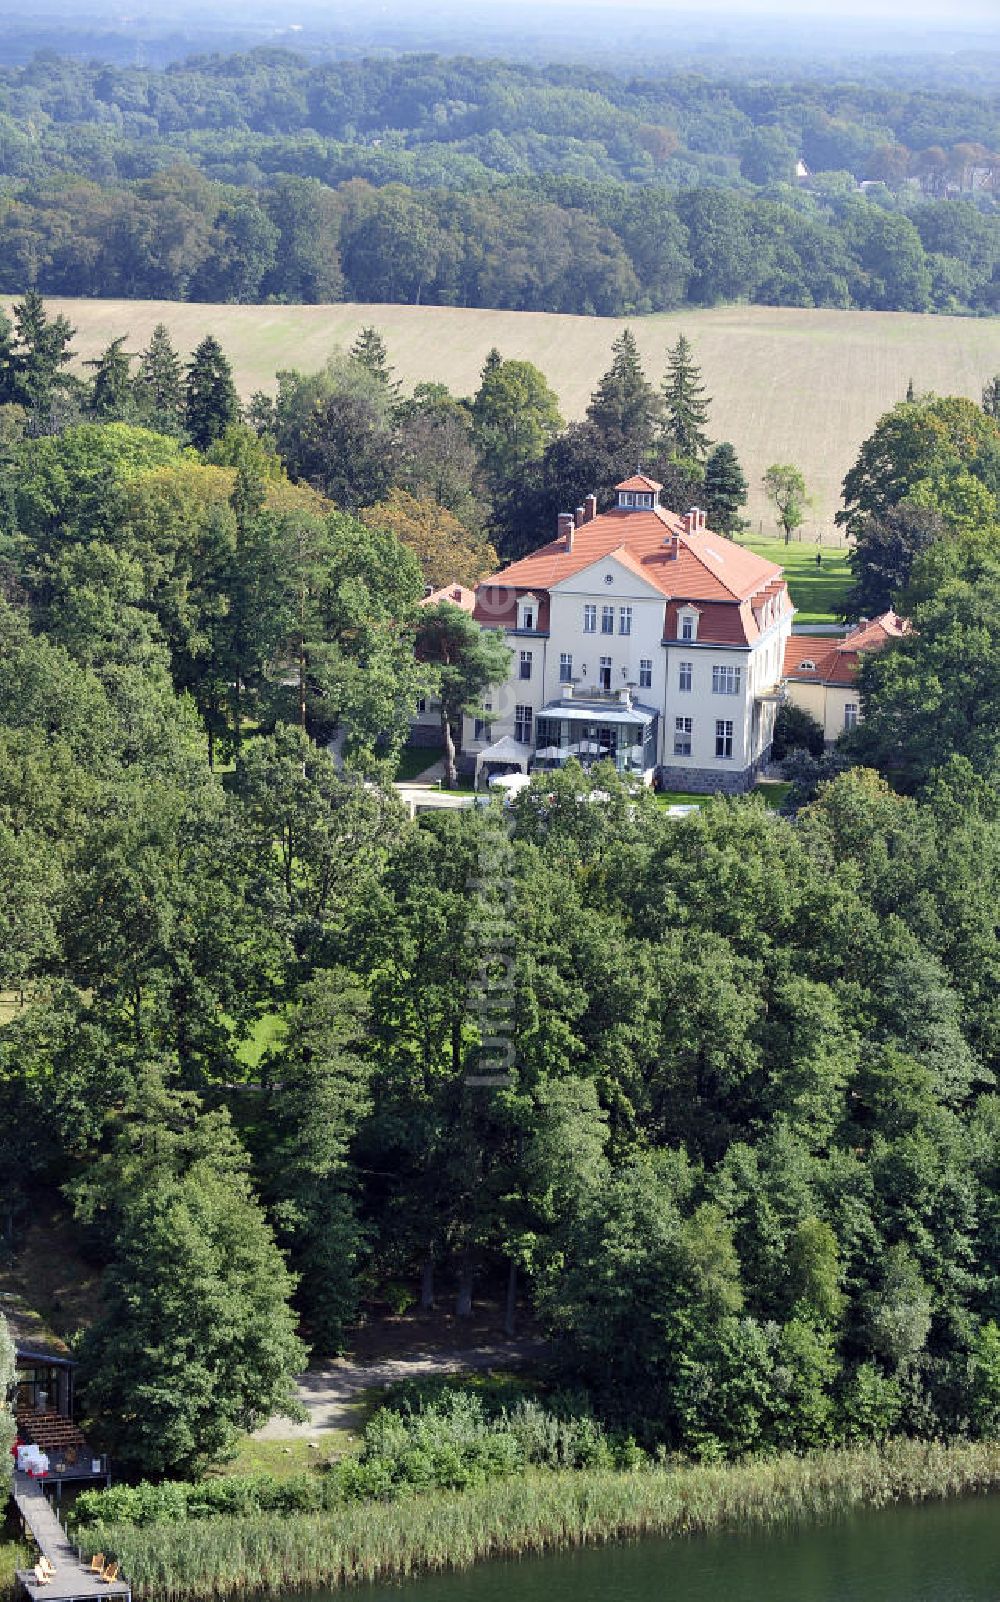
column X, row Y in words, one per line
column 826, row 659
column 457, row 594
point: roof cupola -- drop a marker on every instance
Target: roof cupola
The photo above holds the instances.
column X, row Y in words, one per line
column 638, row 493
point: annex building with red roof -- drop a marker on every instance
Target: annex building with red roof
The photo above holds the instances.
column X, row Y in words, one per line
column 821, row 670
column 640, row 635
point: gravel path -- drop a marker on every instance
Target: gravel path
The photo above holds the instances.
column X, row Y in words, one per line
column 331, row 1393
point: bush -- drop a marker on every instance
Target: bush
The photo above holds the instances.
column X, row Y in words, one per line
column 795, row 729
column 456, row 1440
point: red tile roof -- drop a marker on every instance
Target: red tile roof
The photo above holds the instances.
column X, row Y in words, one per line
column 654, row 544
column 834, row 658
column 457, row 594
column 639, row 481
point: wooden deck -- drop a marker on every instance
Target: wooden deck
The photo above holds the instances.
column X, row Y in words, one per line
column 73, row 1581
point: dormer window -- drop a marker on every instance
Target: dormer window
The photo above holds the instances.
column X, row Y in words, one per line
column 807, row 666
column 638, row 494
column 527, row 612
column 687, row 624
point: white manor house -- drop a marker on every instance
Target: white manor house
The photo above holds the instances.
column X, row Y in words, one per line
column 644, row 636
column 640, row 635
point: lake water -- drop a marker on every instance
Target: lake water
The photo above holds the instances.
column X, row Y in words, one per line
column 939, row 1552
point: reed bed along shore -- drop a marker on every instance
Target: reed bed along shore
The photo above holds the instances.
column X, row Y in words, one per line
column 541, row 1512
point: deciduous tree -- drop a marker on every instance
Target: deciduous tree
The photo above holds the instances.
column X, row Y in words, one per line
column 785, row 488
column 465, row 660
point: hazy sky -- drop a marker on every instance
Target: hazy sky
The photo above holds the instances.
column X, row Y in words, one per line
column 947, row 13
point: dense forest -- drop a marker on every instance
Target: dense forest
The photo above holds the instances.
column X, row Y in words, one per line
column 745, row 1165
column 454, row 181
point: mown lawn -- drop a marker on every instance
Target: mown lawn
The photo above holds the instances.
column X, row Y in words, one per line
column 772, row 795
column 284, row 1459
column 818, row 590
column 680, row 798
column 413, row 761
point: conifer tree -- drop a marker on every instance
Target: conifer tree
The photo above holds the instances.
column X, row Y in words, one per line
column 991, row 397
column 160, row 379
column 624, row 405
column 490, row 365
column 685, row 404
column 725, row 489
column 110, row 395
column 369, row 351
column 211, row 402
column 42, row 351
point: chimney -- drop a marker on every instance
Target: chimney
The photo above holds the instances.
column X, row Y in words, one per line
column 590, row 508
column 694, row 522
column 579, row 517
column 564, row 529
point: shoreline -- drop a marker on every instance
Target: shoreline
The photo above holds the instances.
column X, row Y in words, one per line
column 547, row 1511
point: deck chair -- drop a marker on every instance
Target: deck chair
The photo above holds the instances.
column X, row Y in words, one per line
column 43, row 1563
column 110, row 1574
column 42, row 1576
column 97, row 1563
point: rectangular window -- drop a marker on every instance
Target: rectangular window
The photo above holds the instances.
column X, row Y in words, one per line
column 604, row 673
column 590, row 619
column 607, row 620
column 482, row 730
column 726, row 680
column 683, row 728
column 724, row 737
column 525, row 665
column 624, row 620
column 527, row 617
column 565, row 668
column 522, row 724
column 684, row 677
column 645, row 673
column 422, row 705
column 687, row 628
column 851, row 715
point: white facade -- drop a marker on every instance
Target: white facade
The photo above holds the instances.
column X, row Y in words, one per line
column 605, row 644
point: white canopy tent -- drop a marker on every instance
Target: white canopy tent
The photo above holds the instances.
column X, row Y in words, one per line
column 504, row 753
column 513, row 783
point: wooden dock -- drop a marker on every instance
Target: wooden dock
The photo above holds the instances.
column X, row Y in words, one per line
column 72, row 1581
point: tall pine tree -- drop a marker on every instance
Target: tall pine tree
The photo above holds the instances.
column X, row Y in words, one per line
column 725, row 490
column 109, row 398
column 42, row 351
column 211, row 402
column 685, row 404
column 369, row 351
column 160, row 380
column 624, row 406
